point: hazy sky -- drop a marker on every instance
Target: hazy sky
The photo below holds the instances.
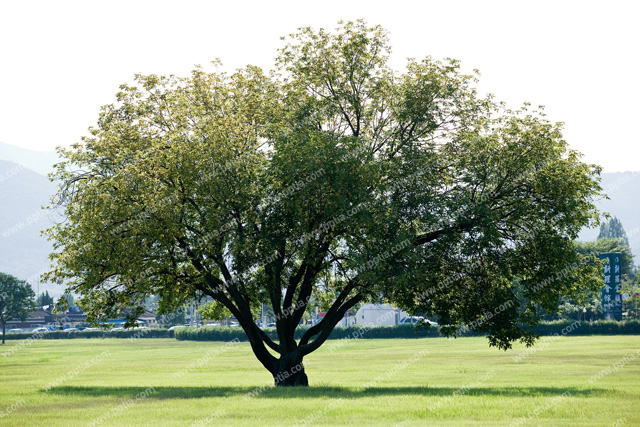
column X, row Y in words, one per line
column 61, row 60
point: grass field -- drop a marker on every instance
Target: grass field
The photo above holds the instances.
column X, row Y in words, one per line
column 571, row 381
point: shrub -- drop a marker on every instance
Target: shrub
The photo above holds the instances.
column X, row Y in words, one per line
column 610, row 327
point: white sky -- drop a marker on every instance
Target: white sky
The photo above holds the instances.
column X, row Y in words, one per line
column 61, row 60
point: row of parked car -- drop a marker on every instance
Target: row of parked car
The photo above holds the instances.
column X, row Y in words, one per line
column 233, row 324
column 406, row 320
column 49, row 329
column 78, row 329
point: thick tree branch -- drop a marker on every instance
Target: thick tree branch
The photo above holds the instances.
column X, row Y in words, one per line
column 242, row 312
column 314, row 330
column 272, row 345
column 332, row 322
column 294, row 281
column 433, row 235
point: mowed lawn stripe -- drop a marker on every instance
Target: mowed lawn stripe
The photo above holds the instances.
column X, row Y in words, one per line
column 358, row 382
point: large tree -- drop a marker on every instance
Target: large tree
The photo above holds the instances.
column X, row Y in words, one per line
column 16, row 300
column 333, row 175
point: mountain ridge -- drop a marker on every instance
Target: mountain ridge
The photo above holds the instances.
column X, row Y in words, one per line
column 38, row 161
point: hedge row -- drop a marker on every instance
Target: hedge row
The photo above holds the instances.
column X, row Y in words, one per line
column 599, row 327
column 563, row 327
column 220, row 333
column 58, row 335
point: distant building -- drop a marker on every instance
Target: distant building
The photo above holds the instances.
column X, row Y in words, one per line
column 45, row 319
column 74, row 317
column 378, row 314
column 147, row 319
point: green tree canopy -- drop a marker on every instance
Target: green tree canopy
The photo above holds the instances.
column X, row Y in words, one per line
column 613, row 229
column 16, row 300
column 334, row 175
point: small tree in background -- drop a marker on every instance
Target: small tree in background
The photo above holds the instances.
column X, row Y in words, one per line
column 16, row 299
column 613, row 229
column 174, row 317
column 44, row 299
column 213, row 310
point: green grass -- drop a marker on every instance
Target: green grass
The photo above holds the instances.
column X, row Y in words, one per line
column 459, row 382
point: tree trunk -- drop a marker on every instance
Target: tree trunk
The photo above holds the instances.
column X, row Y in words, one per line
column 4, row 324
column 289, row 372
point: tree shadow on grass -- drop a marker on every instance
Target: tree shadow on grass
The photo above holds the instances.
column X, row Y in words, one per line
column 268, row 391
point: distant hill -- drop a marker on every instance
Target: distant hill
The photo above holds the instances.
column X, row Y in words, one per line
column 38, row 161
column 24, row 252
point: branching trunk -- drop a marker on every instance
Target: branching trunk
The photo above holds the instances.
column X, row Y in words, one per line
column 289, row 371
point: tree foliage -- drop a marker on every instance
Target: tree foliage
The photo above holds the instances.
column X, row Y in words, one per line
column 630, row 291
column 334, row 175
column 16, row 300
column 214, row 310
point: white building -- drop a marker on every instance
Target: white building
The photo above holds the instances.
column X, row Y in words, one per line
column 378, row 314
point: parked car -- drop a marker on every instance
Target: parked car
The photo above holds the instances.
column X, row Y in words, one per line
column 72, row 330
column 415, row 319
column 15, row 331
column 173, row 328
column 41, row 330
column 410, row 320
